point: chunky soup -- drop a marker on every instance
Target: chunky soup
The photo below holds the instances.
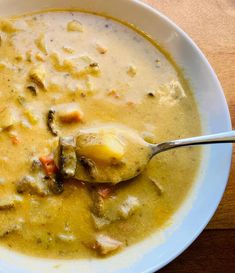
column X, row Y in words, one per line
column 63, row 73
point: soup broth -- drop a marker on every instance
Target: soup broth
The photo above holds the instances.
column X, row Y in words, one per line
column 66, row 71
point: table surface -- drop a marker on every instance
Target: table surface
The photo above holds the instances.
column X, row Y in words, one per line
column 211, row 24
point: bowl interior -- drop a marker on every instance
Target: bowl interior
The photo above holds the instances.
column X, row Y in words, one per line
column 152, row 253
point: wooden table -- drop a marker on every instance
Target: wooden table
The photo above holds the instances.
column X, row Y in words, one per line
column 211, row 24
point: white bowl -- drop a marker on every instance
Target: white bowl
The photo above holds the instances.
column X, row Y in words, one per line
column 158, row 250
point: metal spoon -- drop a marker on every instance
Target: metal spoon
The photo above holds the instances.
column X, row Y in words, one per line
column 226, row 137
column 144, row 151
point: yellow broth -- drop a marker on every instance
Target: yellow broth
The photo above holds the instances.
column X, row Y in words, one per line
column 117, row 77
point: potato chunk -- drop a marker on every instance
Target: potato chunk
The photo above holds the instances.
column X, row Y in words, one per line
column 75, row 26
column 7, row 26
column 7, row 118
column 104, row 146
column 32, row 118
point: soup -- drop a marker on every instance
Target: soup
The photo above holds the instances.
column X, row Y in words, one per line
column 62, row 73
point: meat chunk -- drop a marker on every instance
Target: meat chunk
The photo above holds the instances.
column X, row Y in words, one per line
column 106, row 244
column 113, row 208
column 98, row 204
column 37, row 183
column 129, row 207
column 28, row 184
column 54, row 183
column 100, row 222
column 7, row 228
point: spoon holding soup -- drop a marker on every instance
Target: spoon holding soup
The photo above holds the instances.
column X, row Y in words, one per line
column 113, row 155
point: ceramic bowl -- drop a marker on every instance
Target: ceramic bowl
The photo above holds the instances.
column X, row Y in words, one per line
column 191, row 218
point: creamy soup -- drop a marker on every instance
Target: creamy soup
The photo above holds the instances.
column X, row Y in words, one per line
column 63, row 73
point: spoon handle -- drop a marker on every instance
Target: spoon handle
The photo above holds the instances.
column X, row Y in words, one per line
column 226, row 137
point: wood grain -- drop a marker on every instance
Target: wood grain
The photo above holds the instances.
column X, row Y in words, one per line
column 211, row 24
column 212, row 252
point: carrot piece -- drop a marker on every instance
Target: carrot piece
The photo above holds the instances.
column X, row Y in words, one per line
column 48, row 164
column 71, row 116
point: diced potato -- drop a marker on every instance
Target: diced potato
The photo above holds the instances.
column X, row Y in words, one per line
column 7, row 118
column 132, row 71
column 10, row 201
column 129, row 207
column 75, row 26
column 7, row 26
column 41, row 44
column 38, row 75
column 32, row 118
column 103, row 146
column 106, row 244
